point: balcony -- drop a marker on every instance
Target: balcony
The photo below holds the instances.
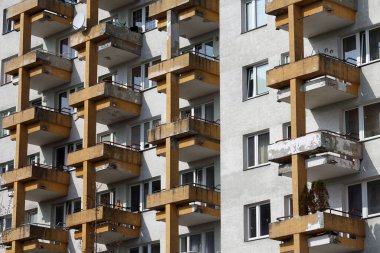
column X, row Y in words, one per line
column 197, row 75
column 45, row 125
column 37, row 239
column 48, row 17
column 46, row 70
column 196, row 204
column 112, row 225
column 196, row 17
column 116, row 44
column 109, row 5
column 313, row 67
column 322, row 92
column 327, row 232
column 41, row 182
column 313, row 144
column 113, row 162
column 319, row 16
column 197, row 139
column 324, row 166
column 114, row 102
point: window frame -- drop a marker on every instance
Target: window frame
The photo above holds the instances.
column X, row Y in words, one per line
column 151, row 84
column 203, row 240
column 28, row 215
column 246, row 71
column 70, row 90
column 364, row 191
column 142, row 206
column 5, row 133
column 75, row 146
column 144, row 145
column 195, row 178
column 73, row 54
column 256, row 156
column 144, row 17
column 8, row 25
column 201, row 106
column 141, row 247
column 66, row 204
column 360, row 108
column 245, row 28
column 4, row 223
column 258, row 224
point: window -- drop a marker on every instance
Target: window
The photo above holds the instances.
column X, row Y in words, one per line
column 139, row 134
column 363, row 47
column 203, row 242
column 257, row 149
column 140, row 74
column 31, row 216
column 6, row 78
column 141, row 19
column 204, row 176
column 34, row 159
column 64, row 209
column 150, row 248
column 63, row 98
column 287, row 131
column 7, row 23
column 106, row 137
column 364, row 198
column 258, row 219
column 65, row 49
column 111, row 77
column 7, row 166
column 106, row 198
column 288, row 200
column 61, row 152
column 3, row 114
column 139, row 192
column 254, row 13
column 5, row 223
column 285, row 58
column 205, row 49
column 363, row 122
column 256, row 81
column 204, row 111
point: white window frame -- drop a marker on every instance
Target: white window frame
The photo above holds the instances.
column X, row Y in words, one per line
column 258, row 224
column 253, row 68
column 65, row 206
column 288, row 205
column 3, row 114
column 28, row 215
column 75, row 146
column 141, row 185
column 359, row 47
column 256, row 141
column 142, row 133
column 203, row 241
column 7, row 166
column 254, row 17
column 34, row 159
column 364, row 189
column 7, row 23
column 361, row 121
column 72, row 54
column 151, row 84
column 195, row 171
column 203, row 110
column 143, row 19
column 141, row 248
column 70, row 90
column 110, row 192
column 3, row 222
column 110, row 134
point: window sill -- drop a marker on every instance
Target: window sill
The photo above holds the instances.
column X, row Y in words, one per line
column 257, row 166
column 254, row 29
column 257, row 96
column 257, row 238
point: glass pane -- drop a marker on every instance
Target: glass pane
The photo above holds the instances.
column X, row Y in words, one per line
column 263, row 148
column 210, row 244
column 349, row 49
column 63, row 101
column 363, row 47
column 195, row 243
column 64, row 48
column 145, row 249
column 352, row 123
column 249, row 16
column 146, row 72
column 261, row 79
column 77, row 206
column 150, row 24
column 251, row 151
column 146, row 193
column 250, row 81
column 210, row 177
column 146, row 129
column 105, row 138
column 209, row 49
column 261, row 17
column 105, row 199
column 136, row 77
column 134, row 250
column 33, row 217
column 137, row 18
column 374, row 44
column 135, row 198
column 264, row 219
column 209, row 111
column 135, row 140
column 185, row 113
column 355, row 199
column 199, row 175
column 59, row 215
column 60, row 156
column 8, row 223
column 252, row 222
column 155, row 248
column 183, row 242
column 188, row 178
column 371, row 120
column 198, row 112
column 156, row 186
column 373, row 194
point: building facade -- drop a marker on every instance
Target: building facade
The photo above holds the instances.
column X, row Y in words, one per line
column 189, row 126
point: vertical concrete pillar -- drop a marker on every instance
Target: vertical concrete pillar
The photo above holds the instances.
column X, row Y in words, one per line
column 18, row 211
column 172, row 150
column 89, row 140
column 298, row 123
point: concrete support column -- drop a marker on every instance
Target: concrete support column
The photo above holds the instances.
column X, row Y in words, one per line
column 296, row 45
column 172, row 46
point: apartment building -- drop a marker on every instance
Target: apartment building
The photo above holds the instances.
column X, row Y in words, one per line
column 152, row 126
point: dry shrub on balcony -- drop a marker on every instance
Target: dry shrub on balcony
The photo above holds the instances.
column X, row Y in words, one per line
column 315, row 199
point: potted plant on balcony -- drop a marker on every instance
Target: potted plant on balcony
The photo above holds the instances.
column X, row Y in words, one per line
column 315, row 199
